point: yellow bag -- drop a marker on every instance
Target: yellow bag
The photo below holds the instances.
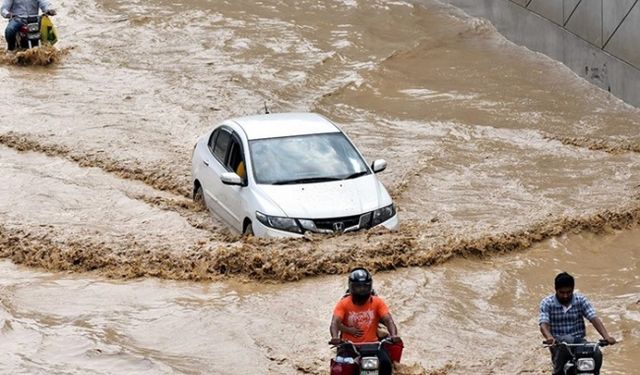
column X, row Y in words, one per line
column 48, row 33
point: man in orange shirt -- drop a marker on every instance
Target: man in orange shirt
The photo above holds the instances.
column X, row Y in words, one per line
column 356, row 316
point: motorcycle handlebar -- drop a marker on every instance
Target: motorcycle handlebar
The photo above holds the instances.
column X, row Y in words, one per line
column 601, row 342
column 49, row 13
column 350, row 343
column 24, row 17
column 386, row 339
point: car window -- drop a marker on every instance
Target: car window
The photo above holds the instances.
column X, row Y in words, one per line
column 221, row 145
column 235, row 155
column 307, row 158
column 212, row 139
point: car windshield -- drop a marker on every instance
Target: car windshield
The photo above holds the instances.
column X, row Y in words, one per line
column 305, row 159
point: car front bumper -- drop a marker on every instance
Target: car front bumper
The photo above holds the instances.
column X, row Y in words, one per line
column 261, row 230
column 391, row 224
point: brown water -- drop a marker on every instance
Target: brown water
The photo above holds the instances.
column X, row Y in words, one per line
column 468, row 316
column 492, row 149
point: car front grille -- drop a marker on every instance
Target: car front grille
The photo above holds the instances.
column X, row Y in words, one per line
column 344, row 224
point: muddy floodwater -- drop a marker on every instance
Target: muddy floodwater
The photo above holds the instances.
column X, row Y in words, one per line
column 467, row 316
column 506, row 167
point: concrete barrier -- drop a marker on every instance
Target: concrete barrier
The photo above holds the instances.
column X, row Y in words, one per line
column 598, row 39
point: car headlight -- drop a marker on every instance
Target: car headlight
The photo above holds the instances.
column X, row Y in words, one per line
column 383, row 214
column 586, row 364
column 277, row 222
column 308, row 224
column 369, row 363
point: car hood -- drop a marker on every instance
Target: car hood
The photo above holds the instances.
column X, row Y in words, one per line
column 328, row 199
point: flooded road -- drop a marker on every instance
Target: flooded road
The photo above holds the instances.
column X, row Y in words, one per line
column 468, row 316
column 491, row 148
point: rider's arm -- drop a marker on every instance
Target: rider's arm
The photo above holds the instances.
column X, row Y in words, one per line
column 387, row 320
column 590, row 313
column 338, row 315
column 334, row 329
column 45, row 6
column 545, row 329
column 385, row 316
column 341, row 326
column 545, row 321
column 6, row 6
column 597, row 323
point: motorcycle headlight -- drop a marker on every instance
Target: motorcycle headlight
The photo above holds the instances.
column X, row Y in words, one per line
column 383, row 214
column 369, row 363
column 586, row 364
column 283, row 223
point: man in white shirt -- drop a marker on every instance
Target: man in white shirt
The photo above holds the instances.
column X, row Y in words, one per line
column 17, row 11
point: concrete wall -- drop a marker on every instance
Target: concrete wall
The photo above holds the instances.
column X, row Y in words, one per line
column 598, row 39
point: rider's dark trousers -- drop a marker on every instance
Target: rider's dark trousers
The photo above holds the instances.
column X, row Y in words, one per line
column 10, row 33
column 384, row 367
column 560, row 355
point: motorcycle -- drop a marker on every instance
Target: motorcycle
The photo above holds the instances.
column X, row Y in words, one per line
column 31, row 32
column 582, row 360
column 362, row 358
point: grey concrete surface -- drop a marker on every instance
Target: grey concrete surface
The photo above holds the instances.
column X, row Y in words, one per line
column 613, row 14
column 598, row 39
column 626, row 41
column 552, row 10
column 586, row 21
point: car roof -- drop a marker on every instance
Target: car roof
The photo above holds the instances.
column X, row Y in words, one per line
column 276, row 125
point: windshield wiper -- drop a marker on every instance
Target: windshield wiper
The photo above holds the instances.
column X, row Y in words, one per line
column 307, row 180
column 355, row 175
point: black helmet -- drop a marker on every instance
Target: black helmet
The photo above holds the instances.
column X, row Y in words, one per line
column 360, row 283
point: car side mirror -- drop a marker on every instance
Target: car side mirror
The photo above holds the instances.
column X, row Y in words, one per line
column 230, row 178
column 379, row 165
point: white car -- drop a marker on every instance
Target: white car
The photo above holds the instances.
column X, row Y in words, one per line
column 281, row 175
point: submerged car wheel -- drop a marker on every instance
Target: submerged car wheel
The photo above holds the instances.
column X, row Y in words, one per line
column 198, row 197
column 248, row 230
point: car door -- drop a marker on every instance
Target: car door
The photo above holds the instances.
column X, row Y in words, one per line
column 233, row 196
column 214, row 158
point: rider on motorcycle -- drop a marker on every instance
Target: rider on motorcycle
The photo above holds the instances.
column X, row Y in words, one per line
column 356, row 316
column 16, row 11
column 562, row 320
